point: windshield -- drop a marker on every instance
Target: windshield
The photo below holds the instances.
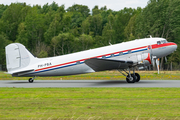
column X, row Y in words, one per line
column 161, row 42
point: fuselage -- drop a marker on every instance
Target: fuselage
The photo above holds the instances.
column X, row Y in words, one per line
column 72, row 64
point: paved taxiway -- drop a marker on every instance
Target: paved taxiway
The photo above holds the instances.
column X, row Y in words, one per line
column 88, row 83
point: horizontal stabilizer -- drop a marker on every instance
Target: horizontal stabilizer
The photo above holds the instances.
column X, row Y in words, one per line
column 107, row 64
column 21, row 73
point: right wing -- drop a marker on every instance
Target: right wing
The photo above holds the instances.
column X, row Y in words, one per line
column 107, row 64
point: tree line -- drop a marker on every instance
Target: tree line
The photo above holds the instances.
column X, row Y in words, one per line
column 52, row 30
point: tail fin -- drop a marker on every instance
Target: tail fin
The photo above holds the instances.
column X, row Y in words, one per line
column 17, row 56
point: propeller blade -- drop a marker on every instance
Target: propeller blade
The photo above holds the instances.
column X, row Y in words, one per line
column 157, row 64
column 166, row 59
column 153, row 60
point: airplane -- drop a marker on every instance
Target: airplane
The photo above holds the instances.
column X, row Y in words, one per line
column 122, row 57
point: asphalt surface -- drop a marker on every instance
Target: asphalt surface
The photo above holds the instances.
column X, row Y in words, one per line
column 88, row 83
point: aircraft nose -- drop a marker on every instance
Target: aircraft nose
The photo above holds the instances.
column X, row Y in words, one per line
column 174, row 46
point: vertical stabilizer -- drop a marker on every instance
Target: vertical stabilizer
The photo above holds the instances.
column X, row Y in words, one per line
column 17, row 56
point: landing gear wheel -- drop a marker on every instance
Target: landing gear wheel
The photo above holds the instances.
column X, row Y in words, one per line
column 31, row 80
column 131, row 79
column 137, row 77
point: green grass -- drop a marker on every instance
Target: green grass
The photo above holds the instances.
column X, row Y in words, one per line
column 106, row 75
column 90, row 103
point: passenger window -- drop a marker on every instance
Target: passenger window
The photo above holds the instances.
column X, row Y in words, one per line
column 78, row 62
column 129, row 51
column 103, row 57
column 158, row 42
column 121, row 53
column 112, row 55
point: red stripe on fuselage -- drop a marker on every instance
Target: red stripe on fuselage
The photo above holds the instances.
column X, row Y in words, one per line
column 54, row 66
column 88, row 58
column 162, row 45
column 152, row 46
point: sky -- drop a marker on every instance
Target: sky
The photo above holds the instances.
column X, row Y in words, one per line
column 115, row 5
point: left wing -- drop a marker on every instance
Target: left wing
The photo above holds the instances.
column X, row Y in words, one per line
column 107, row 64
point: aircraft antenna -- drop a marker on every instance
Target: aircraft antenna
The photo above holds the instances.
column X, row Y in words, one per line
column 150, row 36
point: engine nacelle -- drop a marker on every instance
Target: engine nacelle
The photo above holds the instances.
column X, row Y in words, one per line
column 141, row 59
column 145, row 59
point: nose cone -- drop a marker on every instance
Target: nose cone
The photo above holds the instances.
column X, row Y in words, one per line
column 174, row 47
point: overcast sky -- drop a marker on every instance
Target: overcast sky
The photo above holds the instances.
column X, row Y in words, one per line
column 115, row 5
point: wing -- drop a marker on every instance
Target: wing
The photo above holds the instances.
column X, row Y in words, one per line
column 107, row 64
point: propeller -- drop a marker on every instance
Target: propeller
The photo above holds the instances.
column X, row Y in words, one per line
column 166, row 59
column 155, row 59
column 157, row 64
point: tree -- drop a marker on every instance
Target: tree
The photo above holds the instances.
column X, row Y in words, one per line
column 4, row 41
column 64, row 43
column 12, row 17
column 96, row 24
column 54, row 43
column 108, row 31
column 85, row 41
column 54, row 6
column 95, row 10
column 129, row 30
column 121, row 21
column 22, row 36
column 40, row 49
column 155, row 19
column 85, row 27
column 56, row 25
column 2, row 9
column 105, row 13
column 35, row 27
column 84, row 10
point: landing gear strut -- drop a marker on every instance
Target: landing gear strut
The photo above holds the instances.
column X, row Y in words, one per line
column 31, row 80
column 131, row 78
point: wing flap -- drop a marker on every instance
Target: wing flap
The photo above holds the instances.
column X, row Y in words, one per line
column 107, row 64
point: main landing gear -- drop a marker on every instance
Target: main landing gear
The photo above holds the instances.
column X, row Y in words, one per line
column 131, row 78
column 31, row 80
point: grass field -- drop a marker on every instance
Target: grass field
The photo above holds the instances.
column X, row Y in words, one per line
column 106, row 75
column 90, row 103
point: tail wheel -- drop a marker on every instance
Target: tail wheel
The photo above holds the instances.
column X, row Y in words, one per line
column 131, row 79
column 31, row 80
column 137, row 77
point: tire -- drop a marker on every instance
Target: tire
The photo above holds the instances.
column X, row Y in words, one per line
column 137, row 77
column 31, row 80
column 132, row 79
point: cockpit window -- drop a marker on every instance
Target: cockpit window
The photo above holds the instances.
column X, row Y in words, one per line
column 158, row 42
column 163, row 41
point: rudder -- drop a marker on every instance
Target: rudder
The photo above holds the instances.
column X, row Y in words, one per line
column 17, row 56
